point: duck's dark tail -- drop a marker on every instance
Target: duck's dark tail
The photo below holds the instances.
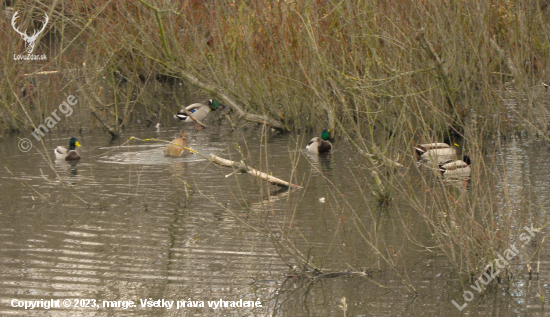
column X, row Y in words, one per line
column 466, row 159
column 419, row 151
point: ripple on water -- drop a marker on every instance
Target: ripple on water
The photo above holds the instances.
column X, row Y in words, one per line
column 152, row 155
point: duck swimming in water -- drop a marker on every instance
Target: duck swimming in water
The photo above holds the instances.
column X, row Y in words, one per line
column 436, row 152
column 70, row 154
column 457, row 168
column 321, row 144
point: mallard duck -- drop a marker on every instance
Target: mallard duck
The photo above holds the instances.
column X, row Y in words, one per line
column 436, row 152
column 70, row 154
column 457, row 168
column 321, row 144
column 176, row 147
column 199, row 111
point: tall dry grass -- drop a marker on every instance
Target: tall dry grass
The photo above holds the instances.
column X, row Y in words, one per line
column 389, row 74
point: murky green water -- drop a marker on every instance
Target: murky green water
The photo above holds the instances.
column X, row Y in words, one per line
column 122, row 225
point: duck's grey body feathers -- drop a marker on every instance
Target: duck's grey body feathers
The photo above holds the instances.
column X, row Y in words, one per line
column 199, row 111
column 423, row 148
column 67, row 154
column 435, row 152
column 458, row 168
column 63, row 153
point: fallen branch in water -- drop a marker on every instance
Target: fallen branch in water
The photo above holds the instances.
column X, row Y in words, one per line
column 243, row 168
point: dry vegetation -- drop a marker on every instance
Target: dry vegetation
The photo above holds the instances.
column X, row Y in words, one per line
column 384, row 74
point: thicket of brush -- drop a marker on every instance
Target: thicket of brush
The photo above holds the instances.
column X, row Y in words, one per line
column 384, row 74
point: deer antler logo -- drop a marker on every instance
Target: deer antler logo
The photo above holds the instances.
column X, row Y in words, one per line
column 29, row 40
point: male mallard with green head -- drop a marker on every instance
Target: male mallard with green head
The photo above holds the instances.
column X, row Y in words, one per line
column 198, row 111
column 70, row 154
column 321, row 144
column 176, row 147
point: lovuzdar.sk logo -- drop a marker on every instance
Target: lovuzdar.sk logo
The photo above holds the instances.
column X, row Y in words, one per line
column 29, row 40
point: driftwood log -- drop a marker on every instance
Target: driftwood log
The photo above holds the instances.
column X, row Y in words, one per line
column 243, row 168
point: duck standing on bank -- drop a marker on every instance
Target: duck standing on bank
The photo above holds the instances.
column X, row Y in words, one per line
column 321, row 144
column 70, row 154
column 197, row 111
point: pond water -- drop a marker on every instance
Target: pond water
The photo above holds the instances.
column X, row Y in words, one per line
column 127, row 224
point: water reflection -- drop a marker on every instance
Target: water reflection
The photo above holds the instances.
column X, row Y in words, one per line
column 321, row 161
column 68, row 171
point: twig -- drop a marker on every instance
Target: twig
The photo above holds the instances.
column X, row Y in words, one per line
column 504, row 55
column 112, row 132
column 161, row 28
column 443, row 74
